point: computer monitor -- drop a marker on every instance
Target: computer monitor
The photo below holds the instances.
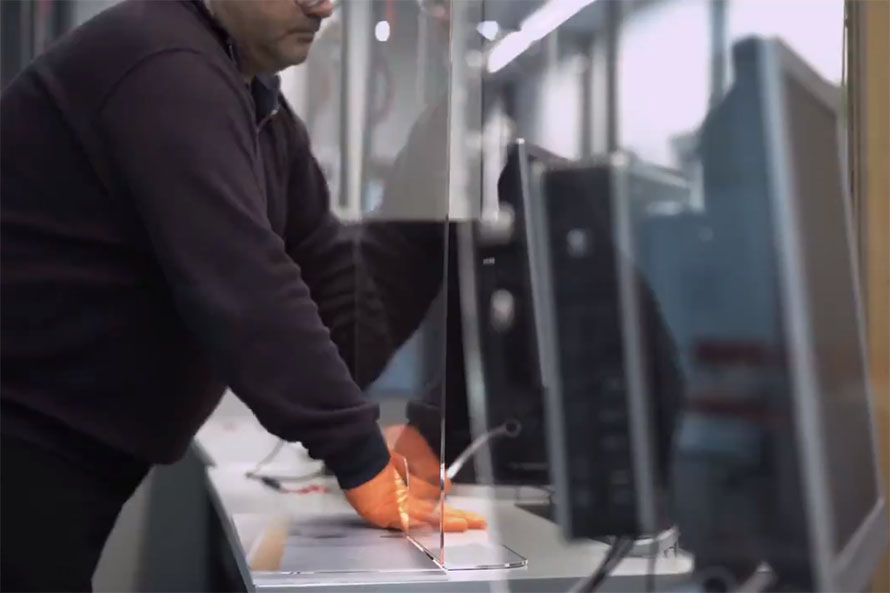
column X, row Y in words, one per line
column 501, row 335
column 612, row 379
column 776, row 456
column 491, row 360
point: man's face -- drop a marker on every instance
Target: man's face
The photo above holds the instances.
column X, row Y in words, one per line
column 271, row 34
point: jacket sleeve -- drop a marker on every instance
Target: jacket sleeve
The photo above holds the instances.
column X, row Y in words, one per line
column 374, row 280
column 185, row 146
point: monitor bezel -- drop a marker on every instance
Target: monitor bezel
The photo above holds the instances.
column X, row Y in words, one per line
column 853, row 566
column 635, row 352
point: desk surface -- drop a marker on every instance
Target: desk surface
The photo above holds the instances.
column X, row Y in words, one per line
column 263, row 520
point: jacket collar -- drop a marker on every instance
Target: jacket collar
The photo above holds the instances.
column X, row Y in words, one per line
column 264, row 88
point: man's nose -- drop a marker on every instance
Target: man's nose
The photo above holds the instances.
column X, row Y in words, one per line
column 320, row 9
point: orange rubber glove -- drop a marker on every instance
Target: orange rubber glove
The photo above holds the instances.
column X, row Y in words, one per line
column 423, row 465
column 385, row 501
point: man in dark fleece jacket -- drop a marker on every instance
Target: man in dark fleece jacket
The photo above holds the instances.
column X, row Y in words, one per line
column 165, row 233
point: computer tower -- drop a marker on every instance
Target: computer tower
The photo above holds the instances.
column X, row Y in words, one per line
column 613, row 381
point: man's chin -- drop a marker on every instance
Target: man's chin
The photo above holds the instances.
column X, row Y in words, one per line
column 290, row 59
column 298, row 55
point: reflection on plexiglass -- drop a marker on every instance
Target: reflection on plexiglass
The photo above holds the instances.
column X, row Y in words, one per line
column 619, row 271
column 615, row 275
column 403, row 197
column 373, row 95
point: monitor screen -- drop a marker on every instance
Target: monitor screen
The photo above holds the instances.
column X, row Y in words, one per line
column 838, row 356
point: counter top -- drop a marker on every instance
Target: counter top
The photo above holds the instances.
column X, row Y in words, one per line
column 312, row 538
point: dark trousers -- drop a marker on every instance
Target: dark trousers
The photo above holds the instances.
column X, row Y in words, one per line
column 55, row 516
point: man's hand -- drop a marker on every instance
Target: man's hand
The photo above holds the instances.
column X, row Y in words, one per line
column 415, row 461
column 385, row 501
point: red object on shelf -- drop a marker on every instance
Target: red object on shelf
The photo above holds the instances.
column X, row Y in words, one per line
column 310, row 489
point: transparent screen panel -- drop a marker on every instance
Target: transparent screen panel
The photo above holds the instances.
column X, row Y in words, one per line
column 609, row 313
column 748, row 115
column 529, row 72
column 398, row 186
column 708, row 257
column 374, row 97
column 625, row 267
column 559, row 433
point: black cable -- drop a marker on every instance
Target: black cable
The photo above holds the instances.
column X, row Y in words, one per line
column 270, row 482
column 622, row 546
column 269, row 457
column 277, row 482
column 584, row 583
column 616, row 553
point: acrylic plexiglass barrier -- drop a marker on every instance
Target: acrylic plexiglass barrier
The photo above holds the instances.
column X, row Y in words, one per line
column 617, row 266
column 373, row 95
column 469, row 123
column 402, row 203
column 754, row 273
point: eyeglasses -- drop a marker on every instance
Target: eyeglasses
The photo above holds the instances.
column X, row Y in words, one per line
column 310, row 4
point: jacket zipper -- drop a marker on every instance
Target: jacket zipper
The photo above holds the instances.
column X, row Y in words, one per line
column 263, row 121
column 230, row 49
